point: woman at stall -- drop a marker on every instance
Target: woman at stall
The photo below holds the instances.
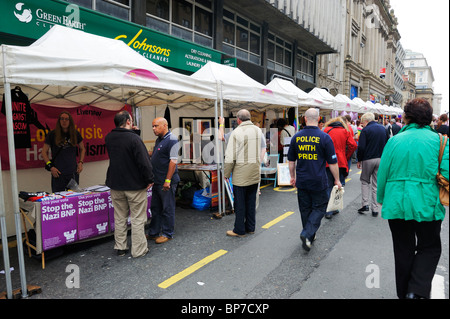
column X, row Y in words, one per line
column 63, row 142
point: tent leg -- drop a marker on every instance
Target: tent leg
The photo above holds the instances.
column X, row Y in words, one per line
column 219, row 176
column 14, row 187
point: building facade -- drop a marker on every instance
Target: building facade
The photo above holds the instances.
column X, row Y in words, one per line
column 416, row 63
column 368, row 56
column 262, row 37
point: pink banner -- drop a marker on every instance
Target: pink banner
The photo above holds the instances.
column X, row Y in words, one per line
column 92, row 123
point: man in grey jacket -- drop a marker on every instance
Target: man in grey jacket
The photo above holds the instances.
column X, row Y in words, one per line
column 245, row 149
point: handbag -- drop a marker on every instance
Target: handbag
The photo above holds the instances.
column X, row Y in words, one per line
column 336, row 201
column 441, row 180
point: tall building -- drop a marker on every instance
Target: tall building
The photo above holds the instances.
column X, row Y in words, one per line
column 417, row 63
column 368, row 57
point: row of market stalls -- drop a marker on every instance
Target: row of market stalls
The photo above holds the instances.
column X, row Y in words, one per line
column 67, row 68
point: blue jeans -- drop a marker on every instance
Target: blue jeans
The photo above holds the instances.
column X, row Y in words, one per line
column 244, row 208
column 163, row 211
column 312, row 205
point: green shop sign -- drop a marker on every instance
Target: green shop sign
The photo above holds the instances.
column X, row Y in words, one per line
column 33, row 18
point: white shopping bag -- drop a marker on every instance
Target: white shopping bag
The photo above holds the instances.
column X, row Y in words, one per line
column 336, row 201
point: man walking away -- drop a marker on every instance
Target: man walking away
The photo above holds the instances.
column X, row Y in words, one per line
column 243, row 155
column 371, row 144
column 309, row 151
column 129, row 176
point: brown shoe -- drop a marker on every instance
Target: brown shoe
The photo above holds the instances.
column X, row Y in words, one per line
column 162, row 239
column 233, row 234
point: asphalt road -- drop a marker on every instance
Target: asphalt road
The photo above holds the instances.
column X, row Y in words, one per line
column 351, row 259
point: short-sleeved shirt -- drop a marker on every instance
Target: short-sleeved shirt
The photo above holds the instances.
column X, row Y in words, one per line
column 66, row 153
column 312, row 149
column 166, row 149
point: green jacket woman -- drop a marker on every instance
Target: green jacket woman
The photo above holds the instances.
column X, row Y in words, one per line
column 409, row 194
column 407, row 186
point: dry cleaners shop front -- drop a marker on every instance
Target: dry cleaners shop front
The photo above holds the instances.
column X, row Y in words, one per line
column 24, row 21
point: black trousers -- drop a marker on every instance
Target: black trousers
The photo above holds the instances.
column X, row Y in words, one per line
column 417, row 249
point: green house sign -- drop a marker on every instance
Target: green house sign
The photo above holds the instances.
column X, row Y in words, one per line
column 33, row 18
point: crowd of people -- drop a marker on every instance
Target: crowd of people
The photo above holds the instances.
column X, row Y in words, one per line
column 398, row 161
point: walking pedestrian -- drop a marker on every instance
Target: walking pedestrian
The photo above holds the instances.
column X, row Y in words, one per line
column 370, row 147
column 442, row 126
column 408, row 191
column 129, row 176
column 344, row 145
column 243, row 156
column 309, row 151
column 164, row 162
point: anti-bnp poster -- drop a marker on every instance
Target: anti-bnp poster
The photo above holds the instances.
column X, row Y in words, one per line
column 32, row 122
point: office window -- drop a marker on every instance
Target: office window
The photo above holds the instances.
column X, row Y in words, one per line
column 117, row 8
column 241, row 37
column 279, row 54
column 192, row 21
column 306, row 66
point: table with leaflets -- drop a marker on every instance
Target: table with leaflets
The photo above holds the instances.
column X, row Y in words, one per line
column 67, row 217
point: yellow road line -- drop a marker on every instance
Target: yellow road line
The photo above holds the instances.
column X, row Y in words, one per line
column 348, row 180
column 169, row 282
column 276, row 220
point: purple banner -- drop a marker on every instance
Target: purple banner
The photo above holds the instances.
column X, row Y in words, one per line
column 59, row 222
column 92, row 215
column 67, row 220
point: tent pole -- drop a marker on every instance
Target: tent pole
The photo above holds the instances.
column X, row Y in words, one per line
column 222, row 159
column 14, row 187
column 4, row 238
column 216, row 152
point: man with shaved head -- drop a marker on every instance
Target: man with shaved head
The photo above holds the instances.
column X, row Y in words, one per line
column 164, row 162
column 309, row 151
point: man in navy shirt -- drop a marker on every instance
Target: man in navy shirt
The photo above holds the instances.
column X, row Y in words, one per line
column 311, row 149
column 164, row 163
column 370, row 147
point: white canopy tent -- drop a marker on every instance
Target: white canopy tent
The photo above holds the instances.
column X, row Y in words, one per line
column 321, row 96
column 343, row 103
column 68, row 68
column 304, row 99
column 237, row 88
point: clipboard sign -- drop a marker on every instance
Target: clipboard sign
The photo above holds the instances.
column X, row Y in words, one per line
column 283, row 175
